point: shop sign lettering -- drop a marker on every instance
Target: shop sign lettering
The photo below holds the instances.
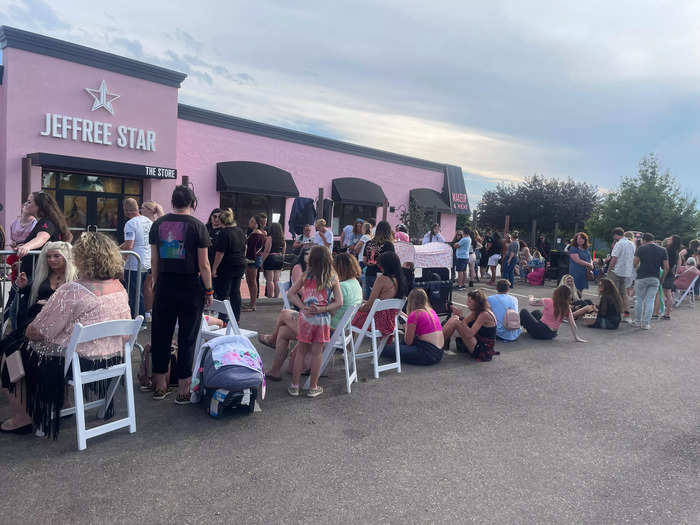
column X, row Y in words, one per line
column 96, row 132
column 160, row 173
column 459, row 201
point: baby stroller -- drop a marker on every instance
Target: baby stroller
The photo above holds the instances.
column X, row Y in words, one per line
column 435, row 261
column 227, row 373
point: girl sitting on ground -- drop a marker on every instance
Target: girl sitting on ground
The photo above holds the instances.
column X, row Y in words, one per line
column 390, row 284
column 423, row 339
column 544, row 324
column 577, row 302
column 608, row 313
column 317, row 295
column 477, row 330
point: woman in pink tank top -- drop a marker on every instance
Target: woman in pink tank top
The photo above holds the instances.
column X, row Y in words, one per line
column 545, row 323
column 423, row 339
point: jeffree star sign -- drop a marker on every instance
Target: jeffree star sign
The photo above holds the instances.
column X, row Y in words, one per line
column 97, row 132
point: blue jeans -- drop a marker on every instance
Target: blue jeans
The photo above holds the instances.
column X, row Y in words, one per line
column 131, row 277
column 509, row 271
column 644, row 294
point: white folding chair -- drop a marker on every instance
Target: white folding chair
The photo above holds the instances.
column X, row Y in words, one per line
column 341, row 339
column 284, row 288
column 378, row 341
column 689, row 292
column 84, row 334
column 232, row 328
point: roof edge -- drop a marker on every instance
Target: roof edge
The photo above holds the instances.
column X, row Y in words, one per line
column 221, row 120
column 53, row 47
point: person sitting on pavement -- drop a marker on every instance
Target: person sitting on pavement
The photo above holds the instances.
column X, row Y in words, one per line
column 544, row 324
column 433, row 235
column 390, row 284
column 423, row 340
column 500, row 303
column 608, row 313
column 477, row 330
column 577, row 301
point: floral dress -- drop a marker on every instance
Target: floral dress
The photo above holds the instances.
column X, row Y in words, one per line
column 314, row 328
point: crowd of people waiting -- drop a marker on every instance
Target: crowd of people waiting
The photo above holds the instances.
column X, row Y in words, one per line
column 185, row 264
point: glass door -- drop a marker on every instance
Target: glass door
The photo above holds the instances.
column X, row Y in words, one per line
column 107, row 216
column 76, row 210
column 87, row 211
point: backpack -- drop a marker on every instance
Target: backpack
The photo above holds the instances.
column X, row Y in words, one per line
column 511, row 320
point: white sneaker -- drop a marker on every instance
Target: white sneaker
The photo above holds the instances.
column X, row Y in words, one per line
column 633, row 322
column 147, row 317
column 646, row 327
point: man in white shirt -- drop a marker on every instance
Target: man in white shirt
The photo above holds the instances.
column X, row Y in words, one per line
column 136, row 232
column 499, row 303
column 621, row 266
column 323, row 237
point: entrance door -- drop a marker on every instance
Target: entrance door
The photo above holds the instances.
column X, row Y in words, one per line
column 91, row 211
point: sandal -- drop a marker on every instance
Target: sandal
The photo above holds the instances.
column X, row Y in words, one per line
column 293, row 390
column 265, row 340
column 159, row 395
column 314, row 392
column 666, row 318
column 248, row 309
column 182, row 399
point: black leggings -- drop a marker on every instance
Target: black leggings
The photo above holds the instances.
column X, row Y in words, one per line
column 228, row 286
column 534, row 326
column 178, row 298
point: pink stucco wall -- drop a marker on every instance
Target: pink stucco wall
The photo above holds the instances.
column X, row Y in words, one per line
column 36, row 84
column 200, row 147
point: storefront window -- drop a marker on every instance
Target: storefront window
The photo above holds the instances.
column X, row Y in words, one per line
column 92, row 202
column 245, row 205
column 344, row 214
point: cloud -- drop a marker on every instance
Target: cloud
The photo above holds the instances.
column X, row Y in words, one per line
column 504, row 89
column 35, row 13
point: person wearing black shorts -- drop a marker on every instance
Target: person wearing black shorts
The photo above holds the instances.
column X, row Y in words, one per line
column 273, row 263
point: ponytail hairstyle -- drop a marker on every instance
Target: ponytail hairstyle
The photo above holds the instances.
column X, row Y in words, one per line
column 225, row 217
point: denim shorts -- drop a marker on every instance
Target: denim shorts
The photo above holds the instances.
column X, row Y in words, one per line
column 254, row 264
column 461, row 265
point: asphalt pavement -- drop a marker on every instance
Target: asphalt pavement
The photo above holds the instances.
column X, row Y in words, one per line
column 548, row 432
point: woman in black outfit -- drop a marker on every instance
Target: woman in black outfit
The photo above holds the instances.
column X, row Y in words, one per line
column 273, row 263
column 229, row 262
column 214, row 227
column 383, row 241
column 51, row 225
column 608, row 313
column 182, row 277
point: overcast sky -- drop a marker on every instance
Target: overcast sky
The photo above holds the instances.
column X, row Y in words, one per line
column 503, row 89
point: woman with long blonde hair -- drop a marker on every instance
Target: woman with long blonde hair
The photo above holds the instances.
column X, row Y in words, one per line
column 423, row 339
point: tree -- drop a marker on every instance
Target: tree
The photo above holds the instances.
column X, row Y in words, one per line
column 651, row 201
column 464, row 222
column 546, row 200
column 416, row 219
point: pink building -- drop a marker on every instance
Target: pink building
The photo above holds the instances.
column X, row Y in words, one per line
column 93, row 128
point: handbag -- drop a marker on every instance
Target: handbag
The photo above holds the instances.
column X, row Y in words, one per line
column 590, row 275
column 15, row 367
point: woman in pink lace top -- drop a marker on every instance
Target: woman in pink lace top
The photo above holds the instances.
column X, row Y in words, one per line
column 95, row 297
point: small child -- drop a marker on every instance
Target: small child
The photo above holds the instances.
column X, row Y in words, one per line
column 317, row 294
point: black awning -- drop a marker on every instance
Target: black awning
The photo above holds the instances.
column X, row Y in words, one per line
column 350, row 190
column 430, row 199
column 256, row 178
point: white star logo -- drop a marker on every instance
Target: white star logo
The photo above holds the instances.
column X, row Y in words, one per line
column 103, row 98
